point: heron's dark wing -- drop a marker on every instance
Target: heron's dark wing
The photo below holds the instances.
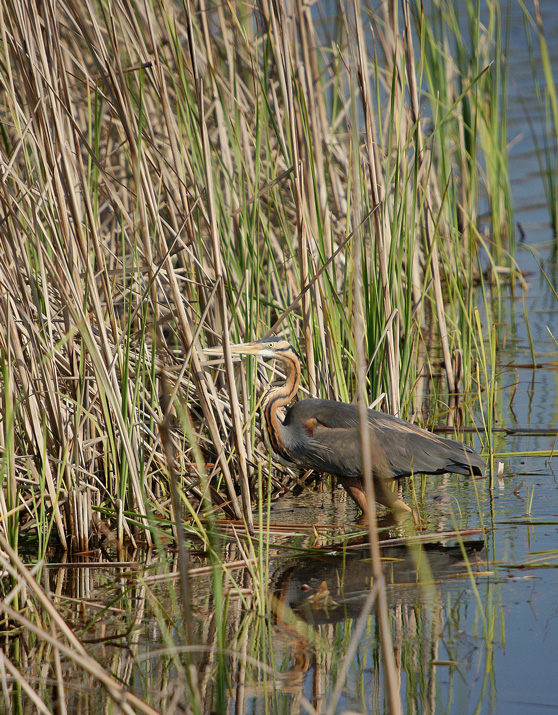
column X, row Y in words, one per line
column 325, row 435
column 335, row 450
column 332, row 450
column 411, row 449
column 408, row 448
column 329, row 413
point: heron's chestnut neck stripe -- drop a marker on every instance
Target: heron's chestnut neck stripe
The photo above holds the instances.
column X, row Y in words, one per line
column 279, row 396
column 325, row 435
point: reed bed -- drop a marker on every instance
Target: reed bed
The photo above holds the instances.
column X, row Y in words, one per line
column 178, row 175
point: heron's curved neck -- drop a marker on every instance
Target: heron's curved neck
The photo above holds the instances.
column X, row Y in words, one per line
column 278, row 396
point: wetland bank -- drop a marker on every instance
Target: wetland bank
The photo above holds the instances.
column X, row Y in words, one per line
column 377, row 184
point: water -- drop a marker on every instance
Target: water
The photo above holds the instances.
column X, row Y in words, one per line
column 487, row 647
column 462, row 645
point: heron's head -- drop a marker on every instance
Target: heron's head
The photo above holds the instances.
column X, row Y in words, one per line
column 272, row 348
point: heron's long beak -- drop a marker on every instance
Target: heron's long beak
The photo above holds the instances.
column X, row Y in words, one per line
column 239, row 349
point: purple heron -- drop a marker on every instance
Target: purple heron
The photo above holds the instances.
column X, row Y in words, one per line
column 324, row 435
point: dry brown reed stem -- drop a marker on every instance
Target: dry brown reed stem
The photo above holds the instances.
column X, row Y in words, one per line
column 284, row 29
column 428, row 222
column 312, row 150
column 60, row 689
column 221, row 297
column 317, row 115
column 203, row 383
column 70, row 647
column 380, row 218
column 189, row 340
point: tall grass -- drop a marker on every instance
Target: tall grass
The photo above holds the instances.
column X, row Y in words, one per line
column 179, row 175
column 173, row 177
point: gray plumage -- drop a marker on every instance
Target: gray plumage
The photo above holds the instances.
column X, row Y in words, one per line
column 333, row 444
column 325, row 435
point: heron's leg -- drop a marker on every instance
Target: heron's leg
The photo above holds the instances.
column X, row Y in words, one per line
column 354, row 487
column 389, row 498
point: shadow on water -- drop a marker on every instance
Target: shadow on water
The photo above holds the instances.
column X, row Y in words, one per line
column 475, row 623
column 329, row 588
column 127, row 617
column 473, row 619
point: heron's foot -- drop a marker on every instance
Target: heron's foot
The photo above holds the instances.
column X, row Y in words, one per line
column 402, row 510
column 399, row 506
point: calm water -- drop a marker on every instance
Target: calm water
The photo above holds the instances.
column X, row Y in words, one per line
column 487, row 646
column 458, row 651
